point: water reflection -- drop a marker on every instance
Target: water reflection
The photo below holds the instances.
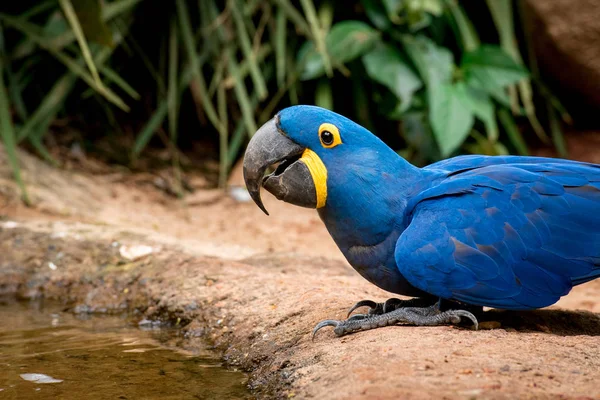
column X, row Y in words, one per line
column 104, row 357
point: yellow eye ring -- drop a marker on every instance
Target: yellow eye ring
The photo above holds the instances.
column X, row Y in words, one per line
column 329, row 135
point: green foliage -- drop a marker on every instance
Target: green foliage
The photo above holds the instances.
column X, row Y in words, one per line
column 407, row 55
column 345, row 41
column 222, row 68
column 386, row 65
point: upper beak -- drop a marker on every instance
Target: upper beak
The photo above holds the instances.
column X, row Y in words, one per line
column 291, row 181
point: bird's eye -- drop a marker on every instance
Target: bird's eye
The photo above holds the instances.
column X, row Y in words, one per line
column 329, row 135
column 327, row 138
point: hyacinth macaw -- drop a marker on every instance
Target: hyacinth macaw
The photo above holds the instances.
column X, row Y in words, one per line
column 506, row 232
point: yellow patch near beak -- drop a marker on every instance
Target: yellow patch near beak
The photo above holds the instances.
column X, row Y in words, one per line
column 318, row 171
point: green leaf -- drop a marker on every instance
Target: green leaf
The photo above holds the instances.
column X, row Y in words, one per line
column 468, row 34
column 514, row 135
column 450, row 117
column 557, row 134
column 482, row 107
column 324, row 95
column 280, row 46
column 7, row 134
column 187, row 36
column 386, row 65
column 89, row 13
column 346, row 41
column 318, row 35
column 249, row 53
column 491, row 69
column 434, row 7
column 30, row 30
column 434, row 63
column 376, row 14
column 417, row 133
column 393, row 7
column 73, row 19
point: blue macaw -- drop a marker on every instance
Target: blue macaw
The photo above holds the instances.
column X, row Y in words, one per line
column 506, row 232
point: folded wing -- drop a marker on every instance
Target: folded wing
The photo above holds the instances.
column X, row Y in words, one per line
column 513, row 236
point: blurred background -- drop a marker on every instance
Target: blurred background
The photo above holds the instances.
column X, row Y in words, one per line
column 180, row 86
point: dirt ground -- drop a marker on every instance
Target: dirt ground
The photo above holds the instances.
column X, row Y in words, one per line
column 255, row 286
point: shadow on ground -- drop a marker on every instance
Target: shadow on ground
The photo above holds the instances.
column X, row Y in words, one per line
column 556, row 322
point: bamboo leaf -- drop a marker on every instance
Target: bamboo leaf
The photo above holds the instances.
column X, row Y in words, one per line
column 109, row 12
column 114, row 77
column 557, row 134
column 69, row 11
column 188, row 40
column 468, row 35
column 29, row 30
column 508, row 122
column 160, row 113
column 223, row 136
column 172, row 88
column 246, row 46
column 295, row 16
column 242, row 96
column 89, row 14
column 7, row 133
column 503, row 16
column 280, row 45
column 14, row 87
column 50, row 105
column 244, row 67
column 142, row 139
column 318, row 34
column 324, row 95
column 54, row 99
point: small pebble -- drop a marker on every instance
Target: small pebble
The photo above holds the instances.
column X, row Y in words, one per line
column 135, row 252
column 240, row 194
column 39, row 378
column 486, row 325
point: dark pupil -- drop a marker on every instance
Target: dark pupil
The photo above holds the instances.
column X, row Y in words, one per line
column 327, row 137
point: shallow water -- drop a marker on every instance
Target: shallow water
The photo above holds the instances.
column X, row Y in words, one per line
column 102, row 357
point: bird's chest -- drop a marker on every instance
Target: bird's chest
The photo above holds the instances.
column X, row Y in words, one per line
column 370, row 252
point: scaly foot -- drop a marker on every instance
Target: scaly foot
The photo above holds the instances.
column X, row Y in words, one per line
column 419, row 316
column 392, row 304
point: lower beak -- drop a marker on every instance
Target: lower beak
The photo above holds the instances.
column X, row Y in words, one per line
column 291, row 182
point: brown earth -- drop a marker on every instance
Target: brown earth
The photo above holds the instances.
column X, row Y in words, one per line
column 256, row 286
column 565, row 35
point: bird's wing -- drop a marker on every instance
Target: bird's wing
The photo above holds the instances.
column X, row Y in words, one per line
column 513, row 236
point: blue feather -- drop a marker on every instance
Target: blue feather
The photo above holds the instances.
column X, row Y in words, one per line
column 508, row 231
column 536, row 233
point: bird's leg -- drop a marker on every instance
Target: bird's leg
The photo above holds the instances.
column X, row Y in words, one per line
column 419, row 316
column 392, row 304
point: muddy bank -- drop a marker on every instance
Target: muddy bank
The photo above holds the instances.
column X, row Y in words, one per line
column 259, row 312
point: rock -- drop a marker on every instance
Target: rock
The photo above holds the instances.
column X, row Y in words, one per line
column 40, row 378
column 566, row 39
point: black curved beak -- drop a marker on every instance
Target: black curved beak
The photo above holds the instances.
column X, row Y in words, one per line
column 291, row 181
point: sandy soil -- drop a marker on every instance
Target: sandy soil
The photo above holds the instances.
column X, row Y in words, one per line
column 256, row 286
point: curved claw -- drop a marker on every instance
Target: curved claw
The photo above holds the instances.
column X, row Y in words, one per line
column 466, row 314
column 357, row 317
column 323, row 324
column 363, row 303
column 391, row 304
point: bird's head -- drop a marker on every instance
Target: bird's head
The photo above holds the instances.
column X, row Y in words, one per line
column 315, row 148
